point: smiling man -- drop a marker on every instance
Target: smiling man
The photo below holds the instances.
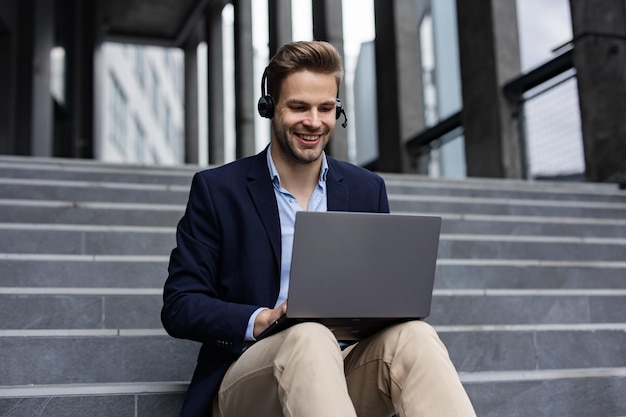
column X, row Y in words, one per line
column 229, row 274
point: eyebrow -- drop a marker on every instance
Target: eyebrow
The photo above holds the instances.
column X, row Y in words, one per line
column 303, row 102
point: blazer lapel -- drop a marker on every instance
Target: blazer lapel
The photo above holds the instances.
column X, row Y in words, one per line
column 259, row 183
column 337, row 191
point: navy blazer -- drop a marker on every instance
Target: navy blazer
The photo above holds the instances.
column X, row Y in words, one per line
column 226, row 263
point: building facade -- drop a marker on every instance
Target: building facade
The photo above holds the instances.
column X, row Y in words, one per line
column 139, row 105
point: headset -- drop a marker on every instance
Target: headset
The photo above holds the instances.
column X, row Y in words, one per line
column 265, row 105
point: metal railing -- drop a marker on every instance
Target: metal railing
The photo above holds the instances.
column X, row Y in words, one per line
column 549, row 119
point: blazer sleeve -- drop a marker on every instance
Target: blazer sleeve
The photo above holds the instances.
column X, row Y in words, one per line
column 192, row 308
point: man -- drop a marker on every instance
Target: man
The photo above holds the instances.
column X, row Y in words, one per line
column 229, row 274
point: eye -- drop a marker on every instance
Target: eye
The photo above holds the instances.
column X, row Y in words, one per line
column 298, row 108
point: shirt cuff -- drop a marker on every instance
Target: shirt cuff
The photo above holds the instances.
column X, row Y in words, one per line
column 249, row 337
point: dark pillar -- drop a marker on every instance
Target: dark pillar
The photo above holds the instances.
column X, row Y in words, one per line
column 85, row 42
column 328, row 26
column 34, row 103
column 398, row 82
column 8, row 17
column 245, row 93
column 489, row 57
column 279, row 22
column 600, row 61
column 215, row 85
column 192, row 114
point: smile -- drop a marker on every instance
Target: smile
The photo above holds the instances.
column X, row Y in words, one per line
column 309, row 138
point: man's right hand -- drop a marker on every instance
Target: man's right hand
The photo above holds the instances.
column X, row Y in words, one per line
column 266, row 317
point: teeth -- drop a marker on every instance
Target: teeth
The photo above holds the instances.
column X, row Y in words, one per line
column 309, row 138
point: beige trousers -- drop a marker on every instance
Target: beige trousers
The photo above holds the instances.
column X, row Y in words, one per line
column 302, row 372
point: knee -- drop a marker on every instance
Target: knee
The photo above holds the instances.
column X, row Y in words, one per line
column 417, row 334
column 310, row 332
column 309, row 346
column 416, row 329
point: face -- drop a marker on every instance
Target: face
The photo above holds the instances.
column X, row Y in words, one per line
column 304, row 117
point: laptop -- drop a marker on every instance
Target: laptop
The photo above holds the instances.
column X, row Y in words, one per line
column 358, row 273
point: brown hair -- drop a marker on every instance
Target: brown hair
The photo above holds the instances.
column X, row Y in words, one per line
column 316, row 56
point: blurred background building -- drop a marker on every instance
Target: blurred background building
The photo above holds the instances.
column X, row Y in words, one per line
column 445, row 88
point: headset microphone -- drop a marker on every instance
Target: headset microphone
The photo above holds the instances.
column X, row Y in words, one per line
column 339, row 111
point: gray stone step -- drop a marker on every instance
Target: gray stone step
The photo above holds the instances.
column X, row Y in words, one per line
column 69, row 240
column 104, row 400
column 82, row 189
column 477, row 307
column 86, row 212
column 41, row 270
column 472, row 274
column 480, row 348
column 82, row 271
column 94, row 213
column 81, row 308
column 572, row 393
column 529, row 293
column 159, row 241
column 131, row 308
column 89, row 170
column 504, row 189
column 169, row 214
column 37, row 189
column 64, row 358
column 94, row 356
column 591, row 393
column 484, row 206
column 531, row 247
column 533, row 226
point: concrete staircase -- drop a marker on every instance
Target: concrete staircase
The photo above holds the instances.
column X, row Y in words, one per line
column 530, row 292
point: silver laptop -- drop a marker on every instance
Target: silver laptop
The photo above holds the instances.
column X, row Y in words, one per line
column 360, row 272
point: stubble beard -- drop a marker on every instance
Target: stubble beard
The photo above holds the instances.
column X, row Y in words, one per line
column 291, row 152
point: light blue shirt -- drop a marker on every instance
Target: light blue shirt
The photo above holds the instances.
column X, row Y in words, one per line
column 288, row 206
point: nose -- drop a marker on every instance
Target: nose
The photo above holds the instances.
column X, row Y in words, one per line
column 313, row 119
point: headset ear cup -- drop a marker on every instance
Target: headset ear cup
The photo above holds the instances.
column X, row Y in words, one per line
column 265, row 107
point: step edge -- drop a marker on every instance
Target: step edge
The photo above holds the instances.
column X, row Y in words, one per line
column 539, row 375
column 556, row 327
column 438, row 292
column 96, row 389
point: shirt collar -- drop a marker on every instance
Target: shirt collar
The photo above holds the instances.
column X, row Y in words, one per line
column 276, row 177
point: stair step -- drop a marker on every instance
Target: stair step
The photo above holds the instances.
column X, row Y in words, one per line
column 533, row 346
column 95, row 405
column 42, row 270
column 571, row 392
column 97, row 356
column 532, row 225
column 499, row 206
column 505, row 189
column 121, row 271
column 80, row 308
column 155, row 241
column 529, row 289
column 527, row 306
column 74, row 240
column 90, row 170
column 37, row 189
column 568, row 392
column 96, row 213
column 66, row 356
column 80, row 188
column 507, row 273
column 115, row 308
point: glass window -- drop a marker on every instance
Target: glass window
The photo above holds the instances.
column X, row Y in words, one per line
column 117, row 126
